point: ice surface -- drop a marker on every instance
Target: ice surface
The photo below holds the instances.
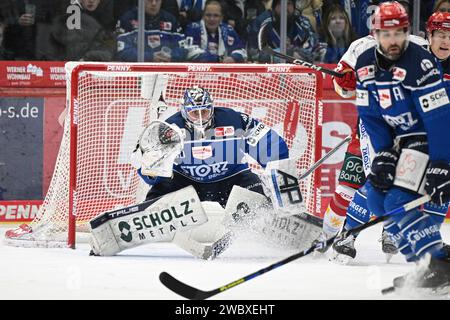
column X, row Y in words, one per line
column 72, row 274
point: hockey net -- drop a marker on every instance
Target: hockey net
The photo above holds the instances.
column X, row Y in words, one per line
column 110, row 104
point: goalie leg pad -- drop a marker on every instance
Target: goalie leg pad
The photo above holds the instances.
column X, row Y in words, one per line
column 284, row 186
column 150, row 221
column 253, row 212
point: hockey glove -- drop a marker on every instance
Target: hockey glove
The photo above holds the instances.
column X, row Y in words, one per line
column 382, row 172
column 437, row 184
column 346, row 85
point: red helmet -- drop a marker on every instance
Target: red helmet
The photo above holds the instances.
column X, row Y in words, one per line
column 390, row 15
column 438, row 21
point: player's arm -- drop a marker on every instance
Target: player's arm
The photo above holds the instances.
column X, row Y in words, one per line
column 432, row 100
column 127, row 49
column 346, row 85
column 262, row 143
column 383, row 166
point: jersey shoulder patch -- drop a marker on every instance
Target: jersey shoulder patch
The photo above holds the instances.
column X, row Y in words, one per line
column 423, row 69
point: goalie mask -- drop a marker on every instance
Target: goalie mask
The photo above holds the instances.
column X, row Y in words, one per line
column 197, row 109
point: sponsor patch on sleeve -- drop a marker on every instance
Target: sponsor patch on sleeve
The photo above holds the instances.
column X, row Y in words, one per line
column 257, row 133
column 434, row 100
column 362, row 98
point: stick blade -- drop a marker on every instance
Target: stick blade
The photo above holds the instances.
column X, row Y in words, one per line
column 183, row 289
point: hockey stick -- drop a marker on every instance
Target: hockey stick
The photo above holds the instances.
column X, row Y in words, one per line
column 264, row 46
column 324, row 158
column 192, row 293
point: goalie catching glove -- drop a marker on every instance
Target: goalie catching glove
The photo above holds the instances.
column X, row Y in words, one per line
column 158, row 146
column 437, row 184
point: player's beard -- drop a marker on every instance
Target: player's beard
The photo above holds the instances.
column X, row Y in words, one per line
column 393, row 52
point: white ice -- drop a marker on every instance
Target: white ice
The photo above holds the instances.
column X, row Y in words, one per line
column 72, row 274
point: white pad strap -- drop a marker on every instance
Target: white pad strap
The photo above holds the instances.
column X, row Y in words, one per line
column 410, row 170
column 150, row 221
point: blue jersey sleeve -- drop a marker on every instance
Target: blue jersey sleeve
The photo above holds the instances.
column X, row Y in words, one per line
column 430, row 96
column 433, row 105
column 379, row 131
column 262, row 143
column 149, row 180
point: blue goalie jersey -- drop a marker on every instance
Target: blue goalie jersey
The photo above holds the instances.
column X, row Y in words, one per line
column 408, row 99
column 222, row 153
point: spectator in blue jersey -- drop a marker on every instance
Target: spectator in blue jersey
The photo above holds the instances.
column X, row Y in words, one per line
column 337, row 32
column 163, row 42
column 155, row 19
column 233, row 13
column 160, row 46
column 302, row 41
column 218, row 40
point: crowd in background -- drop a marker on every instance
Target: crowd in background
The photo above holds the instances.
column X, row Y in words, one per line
column 185, row 30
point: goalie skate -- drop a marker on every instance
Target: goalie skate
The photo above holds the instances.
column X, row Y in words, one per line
column 344, row 249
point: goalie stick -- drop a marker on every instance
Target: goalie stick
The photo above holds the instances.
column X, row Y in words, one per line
column 264, row 46
column 192, row 293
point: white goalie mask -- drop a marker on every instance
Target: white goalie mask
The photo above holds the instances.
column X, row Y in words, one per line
column 197, row 108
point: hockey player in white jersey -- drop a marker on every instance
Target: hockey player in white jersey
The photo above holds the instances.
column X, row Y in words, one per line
column 406, row 111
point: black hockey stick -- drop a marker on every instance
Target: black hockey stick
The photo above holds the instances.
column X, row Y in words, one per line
column 192, row 293
column 264, row 46
column 324, row 158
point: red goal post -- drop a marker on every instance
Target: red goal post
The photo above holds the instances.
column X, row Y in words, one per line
column 110, row 103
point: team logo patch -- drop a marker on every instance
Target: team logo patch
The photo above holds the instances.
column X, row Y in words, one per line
column 154, row 41
column 362, row 98
column 366, row 73
column 165, row 25
column 230, row 41
column 257, row 133
column 202, row 153
column 398, row 74
column 434, row 100
column 426, row 65
column 385, row 98
column 224, row 131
